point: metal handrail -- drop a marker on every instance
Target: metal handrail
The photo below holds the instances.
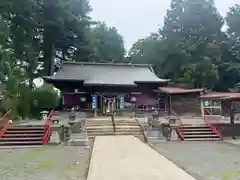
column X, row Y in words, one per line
column 2, row 118
column 47, row 128
column 143, row 130
column 214, row 130
column 180, row 125
column 114, row 124
column 6, row 126
column 2, row 132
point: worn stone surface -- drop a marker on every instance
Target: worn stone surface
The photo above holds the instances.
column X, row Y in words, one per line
column 79, row 139
column 204, row 160
column 47, row 163
column 127, row 158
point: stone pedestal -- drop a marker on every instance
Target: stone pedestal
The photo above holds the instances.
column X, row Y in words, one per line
column 55, row 138
column 78, row 139
column 174, row 135
column 155, row 136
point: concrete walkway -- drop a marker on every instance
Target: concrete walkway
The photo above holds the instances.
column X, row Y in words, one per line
column 127, row 158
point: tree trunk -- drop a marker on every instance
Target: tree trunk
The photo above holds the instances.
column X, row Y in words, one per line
column 48, row 48
column 48, row 53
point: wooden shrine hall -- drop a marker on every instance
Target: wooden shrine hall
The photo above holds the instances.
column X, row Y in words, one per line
column 102, row 88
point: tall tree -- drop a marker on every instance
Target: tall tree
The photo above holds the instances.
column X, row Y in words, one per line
column 108, row 43
column 196, row 43
column 64, row 25
column 53, row 26
column 172, row 22
column 230, row 69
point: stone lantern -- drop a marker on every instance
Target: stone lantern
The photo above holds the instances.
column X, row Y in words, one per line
column 44, row 115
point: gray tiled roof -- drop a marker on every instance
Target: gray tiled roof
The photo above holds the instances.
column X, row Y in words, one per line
column 106, row 73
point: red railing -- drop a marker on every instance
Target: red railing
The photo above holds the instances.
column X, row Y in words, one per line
column 180, row 125
column 180, row 129
column 5, row 128
column 214, row 130
column 48, row 128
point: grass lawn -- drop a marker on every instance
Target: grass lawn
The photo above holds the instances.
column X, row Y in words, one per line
column 47, row 163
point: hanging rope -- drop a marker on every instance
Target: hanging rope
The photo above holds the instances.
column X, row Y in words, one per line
column 112, row 99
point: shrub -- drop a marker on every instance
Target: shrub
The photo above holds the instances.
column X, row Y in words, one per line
column 45, row 97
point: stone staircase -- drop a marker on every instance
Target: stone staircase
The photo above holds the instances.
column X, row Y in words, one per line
column 105, row 128
column 22, row 135
column 198, row 132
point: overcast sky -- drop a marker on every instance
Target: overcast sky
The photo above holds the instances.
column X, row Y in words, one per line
column 135, row 19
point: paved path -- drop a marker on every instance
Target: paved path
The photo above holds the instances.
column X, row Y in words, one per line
column 127, row 158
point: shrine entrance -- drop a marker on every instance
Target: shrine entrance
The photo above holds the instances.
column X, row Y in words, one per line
column 110, row 103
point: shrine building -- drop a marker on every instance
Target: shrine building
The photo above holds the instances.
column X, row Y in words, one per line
column 102, row 88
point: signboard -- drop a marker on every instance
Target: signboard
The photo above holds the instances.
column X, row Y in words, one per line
column 121, row 101
column 94, row 101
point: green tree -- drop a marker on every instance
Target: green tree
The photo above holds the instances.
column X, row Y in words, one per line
column 149, row 50
column 108, row 43
column 196, row 42
column 45, row 97
column 64, row 26
column 230, row 67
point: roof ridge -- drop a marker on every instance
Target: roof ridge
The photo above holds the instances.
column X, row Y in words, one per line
column 111, row 64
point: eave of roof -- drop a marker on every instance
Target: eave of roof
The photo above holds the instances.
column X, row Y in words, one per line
column 106, row 74
column 175, row 90
column 221, row 95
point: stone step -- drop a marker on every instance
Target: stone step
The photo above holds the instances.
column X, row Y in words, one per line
column 96, row 122
column 197, row 132
column 4, row 139
column 117, row 121
column 24, row 132
column 196, row 129
column 20, row 128
column 200, row 136
column 23, row 135
column 99, row 127
column 202, row 139
column 18, row 143
column 120, row 123
column 117, row 133
column 103, row 131
column 111, row 129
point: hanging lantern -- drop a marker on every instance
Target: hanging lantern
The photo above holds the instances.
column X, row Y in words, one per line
column 133, row 99
column 83, row 99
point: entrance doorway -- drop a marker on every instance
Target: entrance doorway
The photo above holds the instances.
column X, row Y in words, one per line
column 109, row 105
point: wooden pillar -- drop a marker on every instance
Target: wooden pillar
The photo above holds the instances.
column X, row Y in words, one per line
column 232, row 112
column 169, row 105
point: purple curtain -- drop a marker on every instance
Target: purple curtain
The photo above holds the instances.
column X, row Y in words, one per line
column 146, row 100
column 72, row 99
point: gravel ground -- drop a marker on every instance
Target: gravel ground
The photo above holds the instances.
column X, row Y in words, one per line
column 46, row 163
column 204, row 160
